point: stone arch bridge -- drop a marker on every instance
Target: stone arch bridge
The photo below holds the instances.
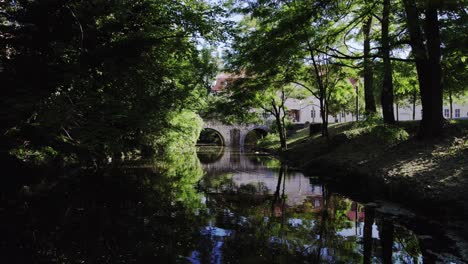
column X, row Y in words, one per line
column 233, row 135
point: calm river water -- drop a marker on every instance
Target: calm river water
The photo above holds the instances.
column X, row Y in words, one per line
column 220, row 206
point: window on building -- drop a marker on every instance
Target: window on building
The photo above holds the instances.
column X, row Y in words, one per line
column 457, row 112
column 446, row 112
column 312, row 113
column 343, row 114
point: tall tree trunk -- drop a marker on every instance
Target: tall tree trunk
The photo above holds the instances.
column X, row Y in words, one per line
column 368, row 70
column 283, row 125
column 435, row 69
column 451, row 103
column 322, row 91
column 387, row 85
column 327, row 111
column 414, row 104
column 427, row 65
column 397, row 112
column 324, row 116
column 357, row 102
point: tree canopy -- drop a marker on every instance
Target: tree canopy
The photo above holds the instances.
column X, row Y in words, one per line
column 101, row 78
column 370, row 37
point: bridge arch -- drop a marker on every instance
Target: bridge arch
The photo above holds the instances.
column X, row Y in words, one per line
column 257, row 132
column 207, row 132
column 233, row 135
column 260, row 129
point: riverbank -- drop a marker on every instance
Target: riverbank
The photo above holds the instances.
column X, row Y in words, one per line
column 389, row 162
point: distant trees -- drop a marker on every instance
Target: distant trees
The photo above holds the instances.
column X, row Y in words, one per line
column 248, row 98
column 419, row 33
column 292, row 35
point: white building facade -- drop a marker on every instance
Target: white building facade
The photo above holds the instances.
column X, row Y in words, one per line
column 308, row 111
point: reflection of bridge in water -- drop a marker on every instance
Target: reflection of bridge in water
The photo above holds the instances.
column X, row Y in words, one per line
column 251, row 169
column 218, row 159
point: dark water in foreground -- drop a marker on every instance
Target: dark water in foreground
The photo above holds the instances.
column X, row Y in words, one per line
column 222, row 207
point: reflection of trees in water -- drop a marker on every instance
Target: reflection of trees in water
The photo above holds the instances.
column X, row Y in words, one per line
column 368, row 241
column 126, row 215
column 276, row 235
column 210, row 154
column 266, row 230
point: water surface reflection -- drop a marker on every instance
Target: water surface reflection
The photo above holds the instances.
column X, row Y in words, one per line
column 263, row 212
column 224, row 206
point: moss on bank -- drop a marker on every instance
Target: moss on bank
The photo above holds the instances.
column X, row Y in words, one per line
column 423, row 174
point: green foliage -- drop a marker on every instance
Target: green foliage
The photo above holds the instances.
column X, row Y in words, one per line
column 36, row 156
column 181, row 134
column 225, row 108
column 271, row 139
column 390, row 134
column 370, row 121
column 293, row 44
column 102, row 78
column 181, row 170
column 405, row 83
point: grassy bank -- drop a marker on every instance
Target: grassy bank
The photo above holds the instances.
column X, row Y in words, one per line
column 389, row 161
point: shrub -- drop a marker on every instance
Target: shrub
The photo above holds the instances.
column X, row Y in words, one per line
column 390, row 134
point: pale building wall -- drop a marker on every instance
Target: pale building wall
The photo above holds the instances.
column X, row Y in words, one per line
column 310, row 111
column 405, row 113
column 311, row 104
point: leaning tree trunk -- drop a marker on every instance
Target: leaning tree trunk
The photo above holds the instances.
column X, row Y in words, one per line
column 279, row 125
column 283, row 125
column 427, row 65
column 281, row 133
column 368, row 70
column 387, row 85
